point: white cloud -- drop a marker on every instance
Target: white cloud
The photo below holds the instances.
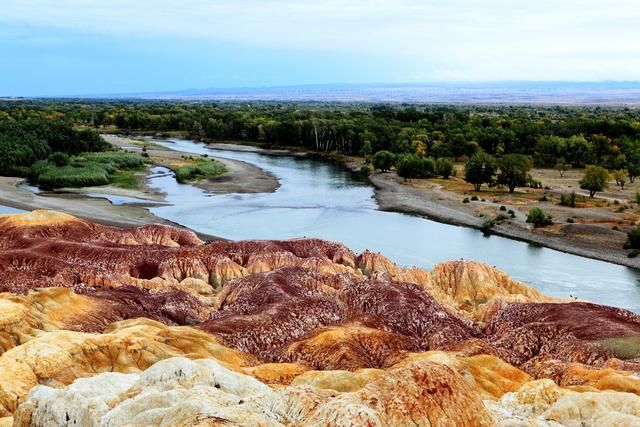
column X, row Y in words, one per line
column 457, row 39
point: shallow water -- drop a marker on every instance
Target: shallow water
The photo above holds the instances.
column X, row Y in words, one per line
column 10, row 210
column 113, row 198
column 317, row 199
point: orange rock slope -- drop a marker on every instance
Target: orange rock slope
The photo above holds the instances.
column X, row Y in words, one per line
column 150, row 326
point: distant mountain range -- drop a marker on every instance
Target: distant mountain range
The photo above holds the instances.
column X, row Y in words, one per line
column 564, row 93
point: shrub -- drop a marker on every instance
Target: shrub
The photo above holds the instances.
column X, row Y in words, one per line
column 633, row 239
column 503, row 208
column 543, row 199
column 568, row 200
column 538, row 218
column 59, row 159
column 534, row 183
column 200, row 170
column 638, row 197
column 633, row 253
column 444, row 167
column 487, row 226
column 465, row 200
column 364, row 171
column 570, row 220
column 474, row 198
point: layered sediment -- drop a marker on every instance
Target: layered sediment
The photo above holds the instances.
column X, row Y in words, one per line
column 151, row 326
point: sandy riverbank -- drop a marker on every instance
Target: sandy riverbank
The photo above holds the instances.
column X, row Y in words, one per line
column 593, row 238
column 240, row 178
column 95, row 209
column 392, row 194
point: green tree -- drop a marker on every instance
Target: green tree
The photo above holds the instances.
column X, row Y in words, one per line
column 596, row 178
column 410, row 166
column 620, row 176
column 562, row 166
column 514, row 170
column 383, row 160
column 444, row 167
column 479, row 169
column 538, row 218
column 633, row 170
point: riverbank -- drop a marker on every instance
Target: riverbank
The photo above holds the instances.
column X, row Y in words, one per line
column 592, row 235
column 240, row 177
column 92, row 203
column 438, row 204
column 78, row 204
column 598, row 231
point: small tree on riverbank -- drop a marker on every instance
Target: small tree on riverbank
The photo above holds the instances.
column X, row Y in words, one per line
column 383, row 160
column 410, row 166
column 479, row 169
column 538, row 218
column 444, row 167
column 633, row 239
column 562, row 166
column 514, row 171
column 621, row 177
column 596, row 178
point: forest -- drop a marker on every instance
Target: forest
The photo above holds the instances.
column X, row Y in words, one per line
column 31, row 130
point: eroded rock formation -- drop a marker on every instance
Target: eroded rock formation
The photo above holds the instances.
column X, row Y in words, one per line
column 150, row 326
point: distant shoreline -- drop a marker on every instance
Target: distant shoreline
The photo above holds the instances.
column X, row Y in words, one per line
column 550, row 93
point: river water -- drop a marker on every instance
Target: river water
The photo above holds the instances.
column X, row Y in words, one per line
column 317, row 199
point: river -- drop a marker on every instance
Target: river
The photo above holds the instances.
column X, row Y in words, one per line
column 317, row 199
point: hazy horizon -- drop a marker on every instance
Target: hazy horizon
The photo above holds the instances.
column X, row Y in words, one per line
column 75, row 47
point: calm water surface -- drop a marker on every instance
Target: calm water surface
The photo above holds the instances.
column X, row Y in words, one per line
column 9, row 210
column 316, row 199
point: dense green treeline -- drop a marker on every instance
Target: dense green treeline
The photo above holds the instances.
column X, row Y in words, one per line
column 23, row 142
column 52, row 153
column 577, row 136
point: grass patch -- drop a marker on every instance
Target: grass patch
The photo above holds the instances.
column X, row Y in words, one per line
column 88, row 170
column 623, row 347
column 124, row 179
column 202, row 169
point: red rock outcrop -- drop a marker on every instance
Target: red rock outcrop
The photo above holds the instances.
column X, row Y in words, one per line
column 300, row 332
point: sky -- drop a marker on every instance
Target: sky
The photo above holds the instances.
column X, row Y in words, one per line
column 87, row 47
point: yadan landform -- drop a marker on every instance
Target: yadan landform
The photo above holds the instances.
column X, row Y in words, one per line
column 102, row 326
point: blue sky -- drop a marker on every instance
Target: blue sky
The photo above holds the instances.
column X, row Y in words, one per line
column 75, row 47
